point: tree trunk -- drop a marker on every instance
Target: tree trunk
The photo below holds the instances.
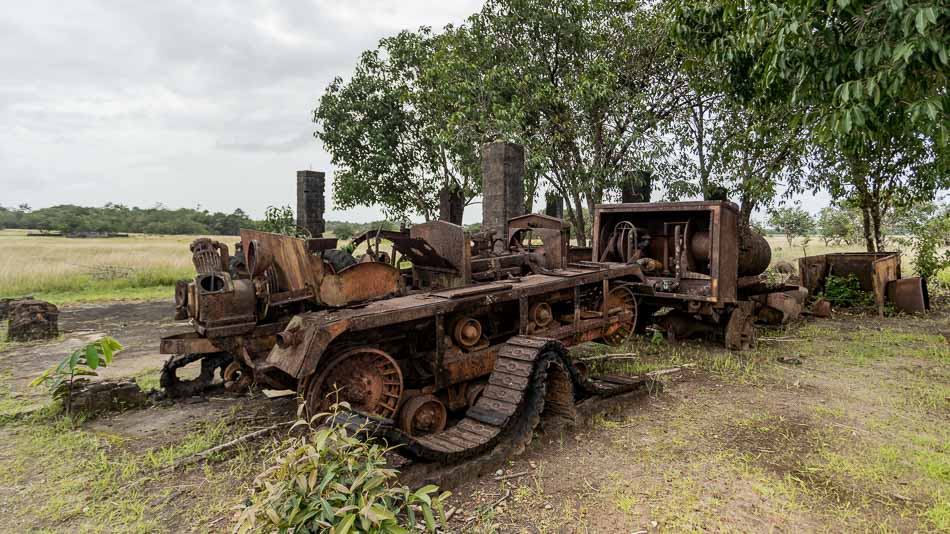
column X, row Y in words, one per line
column 580, row 229
column 876, row 226
column 746, row 206
column 866, row 222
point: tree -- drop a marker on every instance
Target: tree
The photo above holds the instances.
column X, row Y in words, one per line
column 391, row 131
column 862, row 75
column 846, row 60
column 281, row 220
column 836, row 225
column 929, row 228
column 793, row 221
column 721, row 143
column 878, row 174
column 580, row 83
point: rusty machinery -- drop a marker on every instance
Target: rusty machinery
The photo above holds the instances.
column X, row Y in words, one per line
column 454, row 342
column 696, row 259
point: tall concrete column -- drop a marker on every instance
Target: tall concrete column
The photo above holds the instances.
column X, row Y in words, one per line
column 502, row 185
column 554, row 205
column 311, row 202
column 451, row 205
column 637, row 187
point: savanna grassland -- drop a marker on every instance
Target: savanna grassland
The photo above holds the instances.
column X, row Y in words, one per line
column 140, row 267
column 64, row 270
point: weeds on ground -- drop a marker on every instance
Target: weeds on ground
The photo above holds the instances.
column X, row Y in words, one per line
column 328, row 478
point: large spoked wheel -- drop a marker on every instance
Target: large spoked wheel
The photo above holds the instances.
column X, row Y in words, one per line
column 622, row 307
column 369, row 380
column 740, row 331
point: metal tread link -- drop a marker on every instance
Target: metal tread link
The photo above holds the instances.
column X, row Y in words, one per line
column 509, row 408
column 491, row 414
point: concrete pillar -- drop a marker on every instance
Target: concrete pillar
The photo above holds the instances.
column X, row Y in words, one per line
column 502, row 185
column 553, row 205
column 451, row 205
column 637, row 187
column 311, row 202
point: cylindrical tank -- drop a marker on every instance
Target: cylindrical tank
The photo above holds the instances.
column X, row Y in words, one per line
column 755, row 254
column 754, row 251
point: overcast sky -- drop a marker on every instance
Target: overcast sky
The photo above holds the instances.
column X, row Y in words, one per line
column 179, row 102
column 182, row 102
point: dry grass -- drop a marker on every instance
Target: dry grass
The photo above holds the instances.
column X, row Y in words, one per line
column 63, row 270
column 69, row 270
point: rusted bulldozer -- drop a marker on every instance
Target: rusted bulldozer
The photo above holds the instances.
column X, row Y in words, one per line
column 452, row 343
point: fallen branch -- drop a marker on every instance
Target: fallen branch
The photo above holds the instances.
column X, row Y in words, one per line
column 194, row 458
column 490, row 507
column 513, row 475
column 661, row 372
column 620, row 356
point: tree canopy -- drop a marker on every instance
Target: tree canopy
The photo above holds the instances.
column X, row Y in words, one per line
column 68, row 218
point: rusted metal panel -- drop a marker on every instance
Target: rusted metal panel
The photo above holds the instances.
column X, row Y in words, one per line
column 360, row 282
column 873, row 270
column 909, row 295
column 187, row 343
column 296, row 267
column 450, row 243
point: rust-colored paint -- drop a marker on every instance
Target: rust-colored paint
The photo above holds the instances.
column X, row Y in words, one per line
column 360, row 282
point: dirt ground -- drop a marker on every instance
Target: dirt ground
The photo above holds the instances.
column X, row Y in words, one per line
column 851, row 433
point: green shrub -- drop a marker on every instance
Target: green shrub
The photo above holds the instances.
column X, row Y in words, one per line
column 846, row 292
column 60, row 378
column 327, row 480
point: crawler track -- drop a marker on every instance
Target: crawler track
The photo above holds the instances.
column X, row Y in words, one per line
column 531, row 376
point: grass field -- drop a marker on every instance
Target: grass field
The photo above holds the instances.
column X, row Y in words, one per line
column 63, row 270
column 140, row 267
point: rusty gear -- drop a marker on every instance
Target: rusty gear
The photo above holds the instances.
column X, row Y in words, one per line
column 621, row 301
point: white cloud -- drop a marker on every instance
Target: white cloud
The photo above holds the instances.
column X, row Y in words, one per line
column 178, row 102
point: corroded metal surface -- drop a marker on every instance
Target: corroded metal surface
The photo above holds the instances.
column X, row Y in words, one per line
column 873, row 270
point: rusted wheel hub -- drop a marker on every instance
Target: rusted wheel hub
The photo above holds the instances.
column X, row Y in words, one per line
column 467, row 332
column 622, row 307
column 740, row 331
column 369, row 380
column 423, row 414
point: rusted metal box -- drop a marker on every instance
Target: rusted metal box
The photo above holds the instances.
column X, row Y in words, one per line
column 874, row 270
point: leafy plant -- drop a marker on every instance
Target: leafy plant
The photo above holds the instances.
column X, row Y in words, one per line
column 846, row 292
column 84, row 361
column 928, row 236
column 327, row 480
column 281, row 221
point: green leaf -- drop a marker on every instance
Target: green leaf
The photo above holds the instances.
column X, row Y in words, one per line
column 42, row 378
column 931, row 15
column 430, row 521
column 74, row 360
column 377, row 513
column 345, row 525
column 92, row 356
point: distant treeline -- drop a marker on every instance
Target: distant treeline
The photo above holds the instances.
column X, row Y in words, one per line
column 118, row 218
column 158, row 220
